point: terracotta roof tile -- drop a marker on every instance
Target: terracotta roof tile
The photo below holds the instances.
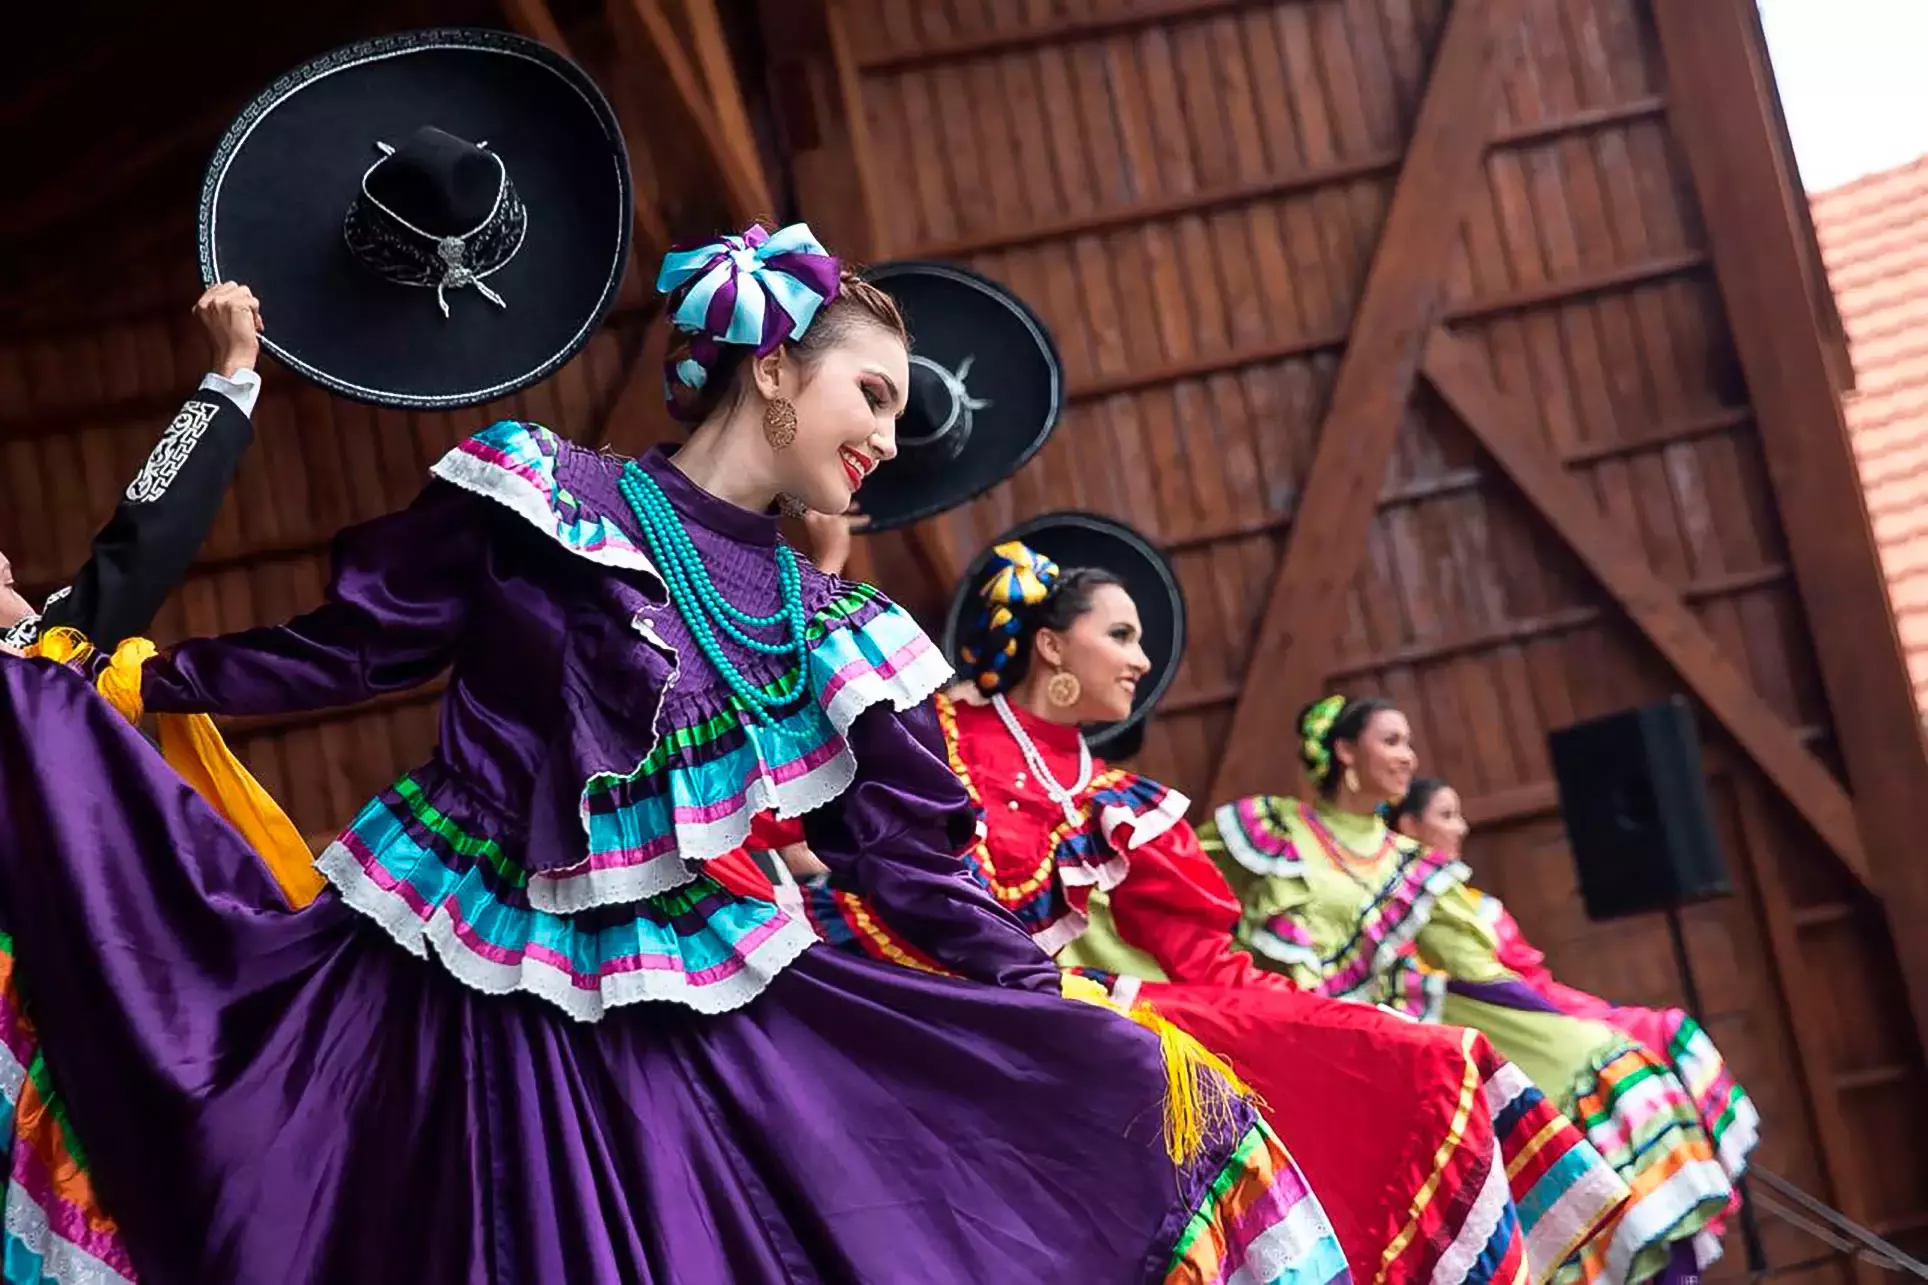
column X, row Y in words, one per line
column 1874, row 238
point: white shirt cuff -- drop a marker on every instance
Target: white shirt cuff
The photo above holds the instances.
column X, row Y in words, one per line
column 243, row 390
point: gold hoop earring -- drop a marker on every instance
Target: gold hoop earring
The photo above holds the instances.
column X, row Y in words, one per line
column 1352, row 781
column 779, row 422
column 1064, row 689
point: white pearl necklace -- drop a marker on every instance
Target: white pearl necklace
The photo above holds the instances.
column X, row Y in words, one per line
column 1067, row 800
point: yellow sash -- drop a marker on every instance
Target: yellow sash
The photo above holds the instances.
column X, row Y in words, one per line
column 193, row 747
column 1201, row 1089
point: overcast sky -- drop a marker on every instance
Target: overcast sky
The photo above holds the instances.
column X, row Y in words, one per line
column 1854, row 80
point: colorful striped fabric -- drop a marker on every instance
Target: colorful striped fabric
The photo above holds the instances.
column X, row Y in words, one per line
column 54, row 1228
column 1255, row 839
column 845, row 920
column 1412, row 990
column 515, row 464
column 1726, row 1112
column 1640, row 1119
column 1527, row 1193
column 1633, row 1114
column 1462, row 1219
column 636, row 919
column 1258, row 1224
column 434, row 885
column 1373, row 964
column 1727, row 1115
column 1562, row 1190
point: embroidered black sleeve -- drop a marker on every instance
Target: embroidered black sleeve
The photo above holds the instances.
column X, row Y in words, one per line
column 147, row 546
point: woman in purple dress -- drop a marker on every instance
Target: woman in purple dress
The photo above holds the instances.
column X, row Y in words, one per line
column 524, row 1036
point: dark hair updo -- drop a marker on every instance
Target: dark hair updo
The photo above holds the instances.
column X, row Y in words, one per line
column 1418, row 795
column 995, row 649
column 1322, row 725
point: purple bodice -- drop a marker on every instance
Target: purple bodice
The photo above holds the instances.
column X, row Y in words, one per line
column 590, row 758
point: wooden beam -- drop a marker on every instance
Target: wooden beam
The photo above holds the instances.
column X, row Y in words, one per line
column 1512, row 805
column 712, row 50
column 1219, row 361
column 1404, row 293
column 1146, row 13
column 856, row 115
column 1721, row 89
column 1505, row 425
column 684, row 137
column 533, row 19
column 1625, row 276
column 928, row 544
column 1802, row 999
column 637, row 417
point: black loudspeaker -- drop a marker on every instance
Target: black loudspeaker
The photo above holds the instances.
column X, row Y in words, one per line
column 1636, row 811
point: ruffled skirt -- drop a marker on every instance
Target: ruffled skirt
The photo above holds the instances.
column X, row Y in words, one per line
column 260, row 1095
column 1641, row 1118
column 1437, row 1161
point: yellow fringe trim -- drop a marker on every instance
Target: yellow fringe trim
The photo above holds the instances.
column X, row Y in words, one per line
column 193, row 747
column 1202, row 1091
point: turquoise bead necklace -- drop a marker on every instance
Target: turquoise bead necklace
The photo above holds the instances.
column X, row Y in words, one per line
column 703, row 606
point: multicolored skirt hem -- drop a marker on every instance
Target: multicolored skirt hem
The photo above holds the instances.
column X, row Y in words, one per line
column 698, row 945
column 52, row 1229
column 1642, row 1120
column 1564, row 1190
column 1726, row 1112
column 1258, row 1224
column 1462, row 1227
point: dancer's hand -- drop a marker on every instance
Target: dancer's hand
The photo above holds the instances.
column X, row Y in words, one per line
column 801, row 862
column 231, row 315
column 13, row 607
column 830, row 537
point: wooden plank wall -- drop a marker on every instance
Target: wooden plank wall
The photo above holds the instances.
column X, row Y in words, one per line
column 1189, row 192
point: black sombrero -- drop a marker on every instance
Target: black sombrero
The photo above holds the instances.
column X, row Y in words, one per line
column 1073, row 539
column 986, row 389
column 431, row 220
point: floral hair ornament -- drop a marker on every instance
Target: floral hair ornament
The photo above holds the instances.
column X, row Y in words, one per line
column 1315, row 730
column 757, row 291
column 1018, row 577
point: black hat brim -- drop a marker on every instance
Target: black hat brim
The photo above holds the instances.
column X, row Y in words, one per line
column 1074, row 539
column 954, row 314
column 283, row 177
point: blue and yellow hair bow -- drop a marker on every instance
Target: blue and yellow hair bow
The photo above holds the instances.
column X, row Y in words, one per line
column 1017, row 578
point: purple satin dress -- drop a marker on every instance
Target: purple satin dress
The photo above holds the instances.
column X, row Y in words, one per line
column 522, row 1037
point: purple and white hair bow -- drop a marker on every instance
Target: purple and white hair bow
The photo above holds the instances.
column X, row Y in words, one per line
column 755, row 290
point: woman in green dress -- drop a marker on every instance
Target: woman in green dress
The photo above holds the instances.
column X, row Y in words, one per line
column 1349, row 908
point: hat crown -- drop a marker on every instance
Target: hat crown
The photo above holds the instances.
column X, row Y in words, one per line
column 931, row 398
column 442, row 184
